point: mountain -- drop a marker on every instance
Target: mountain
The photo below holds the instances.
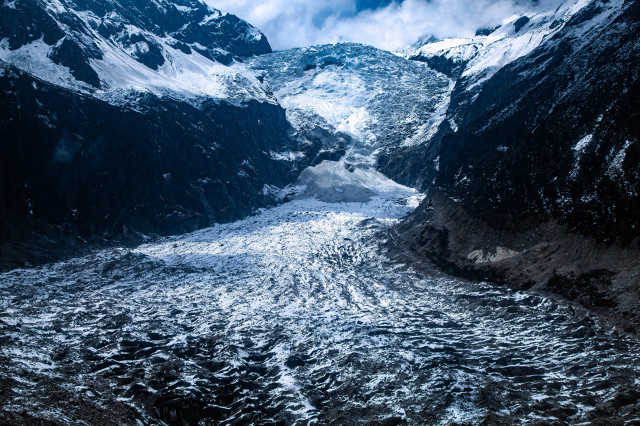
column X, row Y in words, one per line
column 125, row 120
column 469, row 63
column 129, row 117
column 537, row 182
column 356, row 100
column 103, row 43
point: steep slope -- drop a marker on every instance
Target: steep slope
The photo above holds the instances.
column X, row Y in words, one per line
column 470, row 62
column 127, row 117
column 541, row 159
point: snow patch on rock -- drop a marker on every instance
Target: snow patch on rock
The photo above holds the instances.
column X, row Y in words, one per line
column 500, row 254
column 583, row 143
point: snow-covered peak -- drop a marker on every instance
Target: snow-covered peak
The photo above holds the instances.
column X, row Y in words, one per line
column 480, row 56
column 180, row 48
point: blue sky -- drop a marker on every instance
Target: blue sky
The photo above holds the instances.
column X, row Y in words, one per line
column 387, row 24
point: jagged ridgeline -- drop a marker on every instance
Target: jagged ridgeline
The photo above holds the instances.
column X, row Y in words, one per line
column 79, row 31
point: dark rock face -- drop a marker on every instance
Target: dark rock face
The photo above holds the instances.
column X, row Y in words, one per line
column 27, row 22
column 544, row 162
column 93, row 170
column 519, row 153
column 73, row 55
column 415, row 166
column 486, row 31
column 75, row 168
column 190, row 22
column 446, row 66
column 145, row 50
column 520, row 23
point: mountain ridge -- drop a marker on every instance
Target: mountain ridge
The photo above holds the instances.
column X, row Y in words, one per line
column 543, row 161
column 122, row 119
column 181, row 93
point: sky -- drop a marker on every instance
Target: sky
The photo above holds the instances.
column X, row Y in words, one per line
column 386, row 24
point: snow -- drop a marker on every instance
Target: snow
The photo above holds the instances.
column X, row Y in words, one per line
column 313, row 278
column 615, row 166
column 485, row 55
column 225, row 310
column 56, row 6
column 212, row 16
column 583, row 143
column 576, row 6
column 500, row 254
column 333, row 96
column 188, row 76
column 379, row 100
column 501, row 52
column 332, row 182
column 185, row 76
column 254, row 34
column 32, row 58
column 302, row 308
column 383, row 204
column 579, row 149
column 184, row 9
column 457, row 49
column 286, row 155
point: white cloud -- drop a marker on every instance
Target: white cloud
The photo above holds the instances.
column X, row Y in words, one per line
column 295, row 23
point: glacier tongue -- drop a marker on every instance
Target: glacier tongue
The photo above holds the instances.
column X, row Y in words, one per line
column 297, row 314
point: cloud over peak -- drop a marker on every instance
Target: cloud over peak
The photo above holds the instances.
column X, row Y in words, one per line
column 385, row 24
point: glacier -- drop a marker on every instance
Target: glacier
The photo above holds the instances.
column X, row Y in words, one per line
column 302, row 313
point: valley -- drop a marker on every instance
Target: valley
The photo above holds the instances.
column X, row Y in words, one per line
column 303, row 313
column 197, row 229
